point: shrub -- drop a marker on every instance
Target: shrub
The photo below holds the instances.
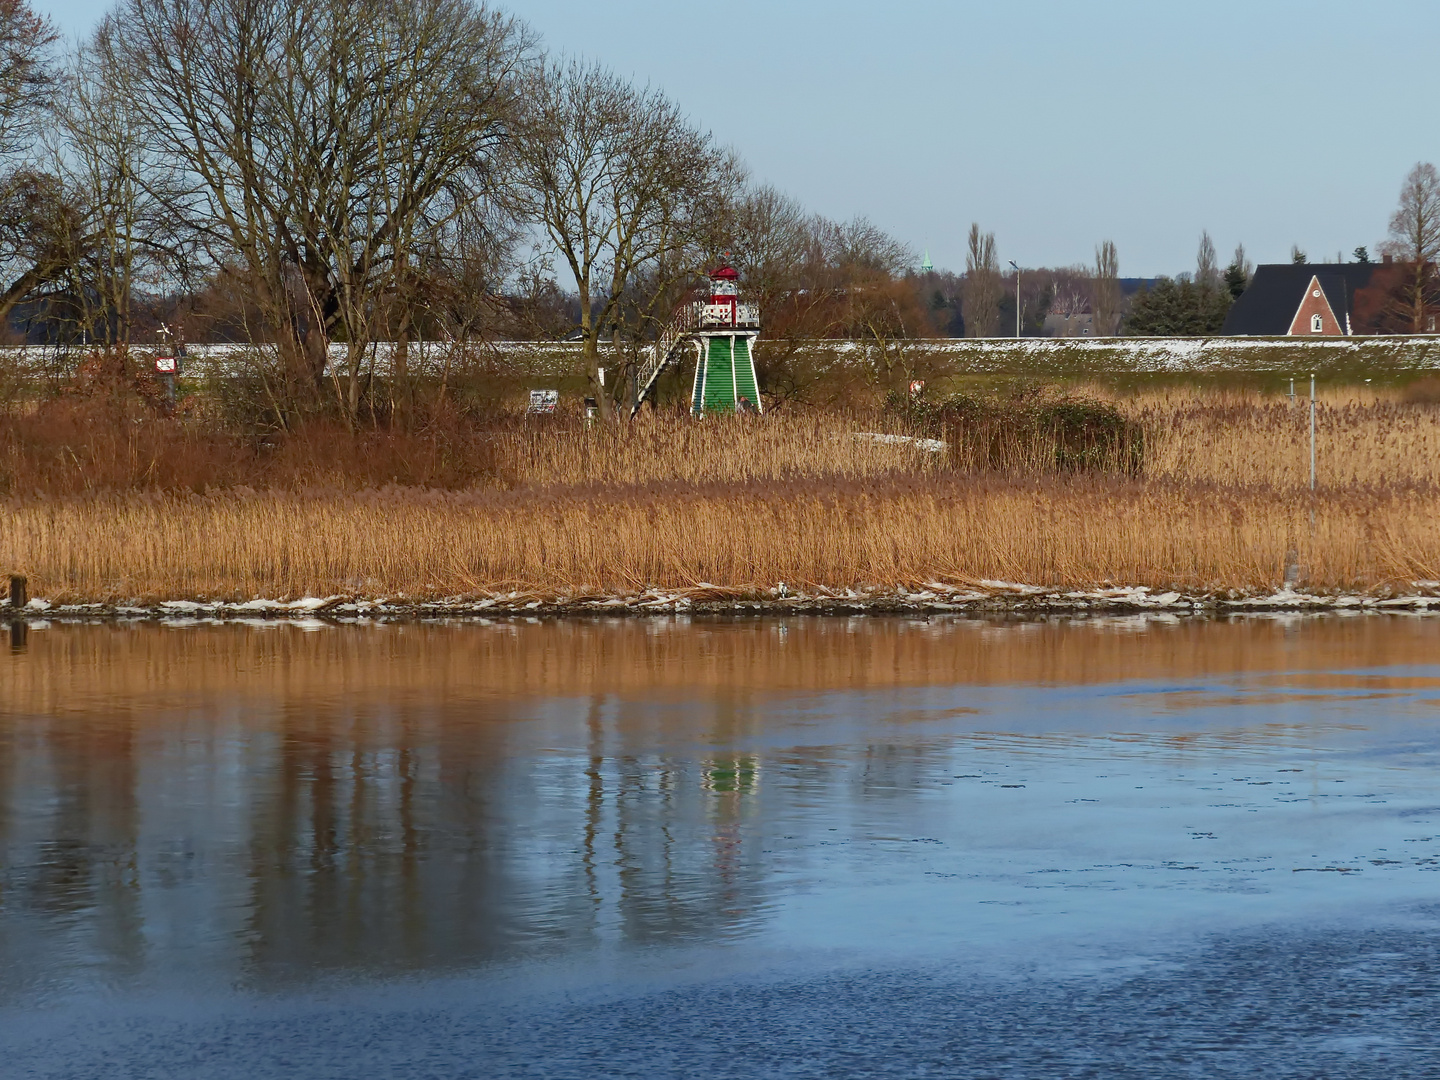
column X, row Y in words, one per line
column 1032, row 429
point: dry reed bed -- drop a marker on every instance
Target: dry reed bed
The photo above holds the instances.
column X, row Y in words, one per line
column 91, row 447
column 556, row 509
column 1214, row 437
column 663, row 449
column 1204, row 437
column 745, row 538
column 1231, row 438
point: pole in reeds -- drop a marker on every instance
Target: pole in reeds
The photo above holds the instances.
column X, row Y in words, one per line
column 1312, row 431
column 18, row 592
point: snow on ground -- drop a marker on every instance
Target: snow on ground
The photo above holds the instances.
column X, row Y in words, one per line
column 977, row 597
column 1285, row 355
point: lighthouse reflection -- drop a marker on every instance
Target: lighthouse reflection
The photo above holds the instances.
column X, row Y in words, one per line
column 266, row 847
column 260, row 805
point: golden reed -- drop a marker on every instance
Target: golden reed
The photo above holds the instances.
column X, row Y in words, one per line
column 729, row 508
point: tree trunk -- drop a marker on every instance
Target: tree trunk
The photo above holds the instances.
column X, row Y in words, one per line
column 592, row 371
column 400, row 374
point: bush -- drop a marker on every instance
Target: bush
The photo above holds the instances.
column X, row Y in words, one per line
column 1033, row 429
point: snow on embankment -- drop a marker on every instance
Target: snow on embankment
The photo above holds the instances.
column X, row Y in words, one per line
column 1036, row 357
column 1062, row 357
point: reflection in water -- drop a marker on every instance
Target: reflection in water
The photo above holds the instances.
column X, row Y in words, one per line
column 259, row 805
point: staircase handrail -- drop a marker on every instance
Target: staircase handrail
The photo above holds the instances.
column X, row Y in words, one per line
column 681, row 325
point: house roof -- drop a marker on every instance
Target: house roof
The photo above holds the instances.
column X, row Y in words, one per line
column 1268, row 304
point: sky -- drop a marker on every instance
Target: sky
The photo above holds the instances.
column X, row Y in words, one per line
column 1054, row 125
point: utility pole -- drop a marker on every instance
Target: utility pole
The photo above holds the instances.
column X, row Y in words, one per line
column 1017, row 297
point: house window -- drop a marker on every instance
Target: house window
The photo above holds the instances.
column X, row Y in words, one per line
column 1317, row 324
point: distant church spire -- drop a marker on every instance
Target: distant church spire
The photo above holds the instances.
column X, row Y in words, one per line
column 927, row 266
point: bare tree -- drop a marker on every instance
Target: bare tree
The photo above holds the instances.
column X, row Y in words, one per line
column 1207, row 269
column 1106, row 289
column 862, row 248
column 38, row 220
column 1238, row 274
column 982, row 285
column 1415, row 241
column 819, row 279
column 35, row 210
column 117, row 239
column 1242, row 261
column 623, row 186
column 770, row 239
column 27, row 72
column 308, row 143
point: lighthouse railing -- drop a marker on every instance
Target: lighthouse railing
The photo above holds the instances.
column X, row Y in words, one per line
column 682, row 324
column 689, row 318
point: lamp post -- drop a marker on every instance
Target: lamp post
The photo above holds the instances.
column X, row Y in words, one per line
column 1017, row 296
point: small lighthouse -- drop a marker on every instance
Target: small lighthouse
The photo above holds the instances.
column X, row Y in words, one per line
column 725, row 330
column 721, row 328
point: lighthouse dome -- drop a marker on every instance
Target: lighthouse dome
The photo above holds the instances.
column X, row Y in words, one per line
column 724, row 281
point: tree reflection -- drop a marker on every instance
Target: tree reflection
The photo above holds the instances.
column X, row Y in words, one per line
column 264, row 805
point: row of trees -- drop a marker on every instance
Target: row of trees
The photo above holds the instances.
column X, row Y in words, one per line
column 323, row 174
column 1403, row 296
column 318, row 173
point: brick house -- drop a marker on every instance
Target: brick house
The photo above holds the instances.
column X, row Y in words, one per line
column 1299, row 299
column 1321, row 299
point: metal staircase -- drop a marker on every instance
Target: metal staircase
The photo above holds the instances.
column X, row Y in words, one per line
column 667, row 348
column 685, row 326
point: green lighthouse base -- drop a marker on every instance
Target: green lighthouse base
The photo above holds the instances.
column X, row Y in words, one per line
column 725, row 376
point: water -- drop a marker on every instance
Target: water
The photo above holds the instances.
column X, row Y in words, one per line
column 1131, row 847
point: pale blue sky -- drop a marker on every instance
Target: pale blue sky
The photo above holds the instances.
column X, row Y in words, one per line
column 1055, row 125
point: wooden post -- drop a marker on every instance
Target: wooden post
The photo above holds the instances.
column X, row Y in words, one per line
column 18, row 594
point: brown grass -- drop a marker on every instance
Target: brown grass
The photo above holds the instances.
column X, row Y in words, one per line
column 837, row 534
column 112, row 509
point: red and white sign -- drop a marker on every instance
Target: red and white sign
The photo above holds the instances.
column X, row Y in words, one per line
column 165, row 365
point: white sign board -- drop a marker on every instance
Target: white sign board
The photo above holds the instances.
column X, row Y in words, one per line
column 543, row 401
column 165, row 365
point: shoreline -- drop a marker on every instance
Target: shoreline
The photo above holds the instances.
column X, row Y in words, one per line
column 993, row 598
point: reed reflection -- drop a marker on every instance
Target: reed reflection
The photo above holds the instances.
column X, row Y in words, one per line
column 263, row 804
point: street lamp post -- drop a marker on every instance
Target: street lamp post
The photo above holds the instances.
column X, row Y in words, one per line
column 1017, row 296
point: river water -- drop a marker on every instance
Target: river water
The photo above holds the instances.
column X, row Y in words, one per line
column 1121, row 847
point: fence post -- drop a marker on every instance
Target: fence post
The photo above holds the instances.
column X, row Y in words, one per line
column 19, row 595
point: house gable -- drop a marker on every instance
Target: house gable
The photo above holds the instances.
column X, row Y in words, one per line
column 1315, row 315
column 1270, row 304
